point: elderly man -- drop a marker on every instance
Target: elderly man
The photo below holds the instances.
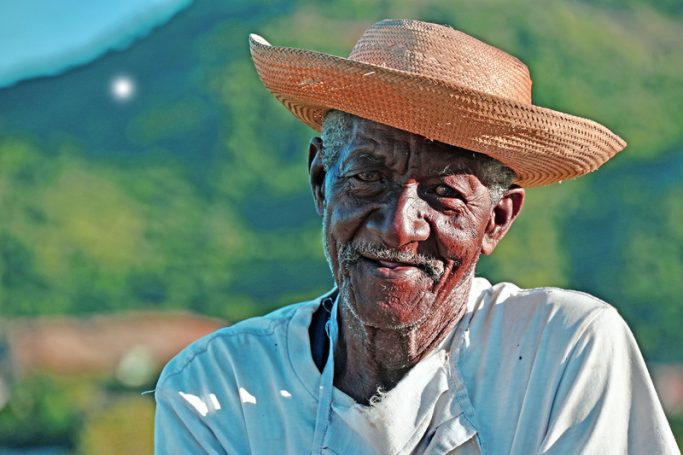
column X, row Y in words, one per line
column 428, row 140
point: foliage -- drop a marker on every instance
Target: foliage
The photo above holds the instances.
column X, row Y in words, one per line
column 676, row 423
column 43, row 411
column 123, row 426
column 84, row 415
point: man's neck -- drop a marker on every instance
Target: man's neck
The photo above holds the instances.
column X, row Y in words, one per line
column 369, row 360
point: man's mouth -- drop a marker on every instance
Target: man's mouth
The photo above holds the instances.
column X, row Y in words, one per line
column 391, row 263
column 391, row 269
column 396, row 270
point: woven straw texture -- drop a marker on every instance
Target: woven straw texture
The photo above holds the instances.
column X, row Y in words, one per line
column 442, row 84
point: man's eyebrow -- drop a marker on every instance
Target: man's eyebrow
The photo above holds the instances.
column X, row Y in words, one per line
column 450, row 169
column 364, row 155
column 361, row 153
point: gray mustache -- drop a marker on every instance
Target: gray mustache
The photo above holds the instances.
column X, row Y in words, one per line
column 352, row 252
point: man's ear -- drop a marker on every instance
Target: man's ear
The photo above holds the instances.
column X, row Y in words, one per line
column 502, row 216
column 316, row 173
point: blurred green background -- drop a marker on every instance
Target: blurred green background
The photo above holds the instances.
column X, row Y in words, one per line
column 191, row 194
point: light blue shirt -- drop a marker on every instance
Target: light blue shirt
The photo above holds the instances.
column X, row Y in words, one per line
column 525, row 371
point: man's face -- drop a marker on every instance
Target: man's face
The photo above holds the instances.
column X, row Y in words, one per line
column 404, row 220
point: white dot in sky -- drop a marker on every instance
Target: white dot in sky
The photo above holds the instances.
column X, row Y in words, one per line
column 122, row 88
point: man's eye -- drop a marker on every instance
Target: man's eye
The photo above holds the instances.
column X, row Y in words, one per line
column 368, row 176
column 445, row 191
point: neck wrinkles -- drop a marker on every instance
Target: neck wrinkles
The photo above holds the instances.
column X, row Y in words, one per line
column 369, row 361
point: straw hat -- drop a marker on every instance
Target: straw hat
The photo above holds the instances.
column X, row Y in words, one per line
column 442, row 84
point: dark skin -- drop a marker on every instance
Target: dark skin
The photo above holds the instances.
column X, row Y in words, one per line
column 427, row 218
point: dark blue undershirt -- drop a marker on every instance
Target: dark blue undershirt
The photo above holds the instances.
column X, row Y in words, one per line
column 320, row 343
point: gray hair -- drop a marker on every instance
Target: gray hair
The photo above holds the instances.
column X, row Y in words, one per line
column 337, row 126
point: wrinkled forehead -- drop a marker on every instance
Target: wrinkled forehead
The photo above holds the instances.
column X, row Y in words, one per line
column 402, row 149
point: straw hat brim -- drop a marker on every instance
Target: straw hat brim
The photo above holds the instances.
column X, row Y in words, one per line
column 541, row 145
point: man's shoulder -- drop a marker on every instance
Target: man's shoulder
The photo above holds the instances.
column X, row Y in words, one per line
column 550, row 304
column 235, row 344
column 547, row 318
column 563, row 366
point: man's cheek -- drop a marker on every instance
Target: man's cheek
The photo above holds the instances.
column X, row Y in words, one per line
column 346, row 220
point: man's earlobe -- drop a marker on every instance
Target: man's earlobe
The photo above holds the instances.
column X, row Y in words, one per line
column 316, row 172
column 502, row 216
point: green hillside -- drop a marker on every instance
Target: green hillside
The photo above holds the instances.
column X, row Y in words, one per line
column 182, row 198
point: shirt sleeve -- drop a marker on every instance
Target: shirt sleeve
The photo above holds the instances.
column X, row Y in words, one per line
column 605, row 401
column 179, row 428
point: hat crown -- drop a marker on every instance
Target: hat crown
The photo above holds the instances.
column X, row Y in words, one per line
column 443, row 53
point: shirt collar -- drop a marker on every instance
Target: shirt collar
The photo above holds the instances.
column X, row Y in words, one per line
column 436, row 414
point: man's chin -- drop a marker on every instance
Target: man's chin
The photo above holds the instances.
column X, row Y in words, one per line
column 389, row 299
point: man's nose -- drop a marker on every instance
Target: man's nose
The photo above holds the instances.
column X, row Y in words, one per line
column 401, row 220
